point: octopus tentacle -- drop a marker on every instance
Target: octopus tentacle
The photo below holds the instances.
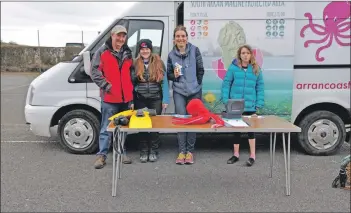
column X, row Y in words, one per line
column 319, row 50
column 314, row 27
column 316, row 41
column 342, row 36
column 219, row 122
column 179, row 120
column 340, row 42
column 193, row 120
column 341, row 29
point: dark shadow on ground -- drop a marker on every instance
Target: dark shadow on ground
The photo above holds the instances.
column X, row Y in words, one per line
column 220, row 142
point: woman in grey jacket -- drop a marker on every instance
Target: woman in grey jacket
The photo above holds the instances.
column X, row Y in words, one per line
column 185, row 68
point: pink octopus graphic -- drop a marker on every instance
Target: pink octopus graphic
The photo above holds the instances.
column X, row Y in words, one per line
column 218, row 65
column 335, row 17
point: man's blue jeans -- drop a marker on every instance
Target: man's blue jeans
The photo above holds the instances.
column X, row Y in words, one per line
column 108, row 110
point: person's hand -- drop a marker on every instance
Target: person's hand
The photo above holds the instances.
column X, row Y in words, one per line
column 108, row 88
column 176, row 72
column 164, row 106
column 132, row 106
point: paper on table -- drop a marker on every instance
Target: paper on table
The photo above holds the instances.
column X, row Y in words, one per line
column 235, row 123
column 249, row 116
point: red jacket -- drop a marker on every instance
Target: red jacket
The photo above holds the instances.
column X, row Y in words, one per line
column 111, row 71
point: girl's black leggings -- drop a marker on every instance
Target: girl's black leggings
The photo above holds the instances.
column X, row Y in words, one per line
column 149, row 141
column 251, row 135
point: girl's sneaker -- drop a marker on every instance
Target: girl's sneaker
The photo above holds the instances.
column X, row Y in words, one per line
column 181, row 159
column 189, row 158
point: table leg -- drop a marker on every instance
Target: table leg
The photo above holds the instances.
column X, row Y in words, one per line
column 271, row 153
column 116, row 165
column 120, row 166
column 274, row 143
column 272, row 150
column 120, row 152
column 114, row 171
column 286, row 167
column 115, row 157
column 289, row 163
column 123, row 140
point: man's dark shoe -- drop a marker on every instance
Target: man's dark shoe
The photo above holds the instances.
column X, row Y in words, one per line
column 250, row 162
column 126, row 159
column 143, row 157
column 100, row 162
column 232, row 160
column 152, row 157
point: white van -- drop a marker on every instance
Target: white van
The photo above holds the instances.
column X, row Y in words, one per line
column 306, row 66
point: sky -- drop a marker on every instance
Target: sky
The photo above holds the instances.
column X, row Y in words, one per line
column 58, row 22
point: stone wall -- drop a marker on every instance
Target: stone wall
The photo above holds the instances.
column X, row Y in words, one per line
column 18, row 58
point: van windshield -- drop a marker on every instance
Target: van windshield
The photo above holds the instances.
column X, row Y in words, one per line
column 127, row 6
column 93, row 42
column 79, row 57
column 90, row 43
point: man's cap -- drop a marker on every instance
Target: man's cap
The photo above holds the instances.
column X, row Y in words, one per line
column 118, row 29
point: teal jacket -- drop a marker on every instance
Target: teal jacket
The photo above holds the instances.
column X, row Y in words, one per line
column 238, row 84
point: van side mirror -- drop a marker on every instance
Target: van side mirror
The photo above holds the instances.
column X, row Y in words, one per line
column 74, row 56
column 87, row 62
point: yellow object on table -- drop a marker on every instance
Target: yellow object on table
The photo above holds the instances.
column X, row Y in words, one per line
column 140, row 122
column 139, row 119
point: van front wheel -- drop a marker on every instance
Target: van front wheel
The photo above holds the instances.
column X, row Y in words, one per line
column 322, row 133
column 79, row 132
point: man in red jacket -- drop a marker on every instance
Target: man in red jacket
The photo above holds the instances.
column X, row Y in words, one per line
column 111, row 71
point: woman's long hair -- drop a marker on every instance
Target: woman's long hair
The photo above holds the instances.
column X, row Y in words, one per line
column 155, row 68
column 252, row 61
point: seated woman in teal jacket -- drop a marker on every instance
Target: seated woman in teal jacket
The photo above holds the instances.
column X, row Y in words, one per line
column 244, row 80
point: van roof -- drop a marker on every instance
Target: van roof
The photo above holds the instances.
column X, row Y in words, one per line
column 149, row 9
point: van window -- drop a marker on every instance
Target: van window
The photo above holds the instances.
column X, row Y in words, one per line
column 150, row 29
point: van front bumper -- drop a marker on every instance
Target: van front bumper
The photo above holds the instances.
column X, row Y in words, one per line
column 39, row 119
